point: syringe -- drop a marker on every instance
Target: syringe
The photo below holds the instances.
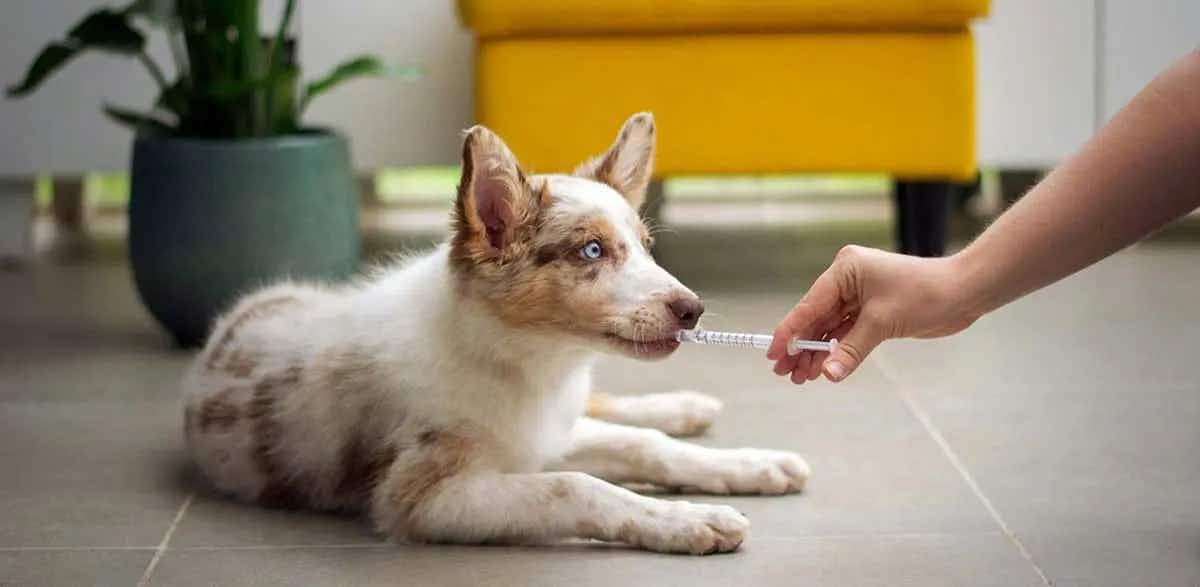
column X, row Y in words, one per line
column 758, row 341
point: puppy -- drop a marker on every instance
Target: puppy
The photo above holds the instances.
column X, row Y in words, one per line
column 445, row 397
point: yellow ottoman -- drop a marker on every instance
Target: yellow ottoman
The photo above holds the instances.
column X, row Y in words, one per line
column 743, row 86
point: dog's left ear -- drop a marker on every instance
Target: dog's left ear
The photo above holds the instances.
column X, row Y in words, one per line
column 628, row 163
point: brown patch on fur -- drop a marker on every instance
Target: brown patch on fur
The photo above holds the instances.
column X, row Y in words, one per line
column 363, row 466
column 567, row 246
column 277, row 491
column 547, row 298
column 589, row 529
column 256, row 310
column 600, row 405
column 628, row 532
column 560, row 489
column 546, row 288
column 219, row 411
column 367, row 452
column 415, row 479
column 242, row 363
column 343, row 371
column 428, row 437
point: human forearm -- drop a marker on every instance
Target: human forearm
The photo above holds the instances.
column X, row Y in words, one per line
column 1139, row 172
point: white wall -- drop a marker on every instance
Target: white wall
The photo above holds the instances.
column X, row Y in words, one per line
column 394, row 122
column 1140, row 38
column 1051, row 72
column 1035, row 80
column 60, row 128
column 1042, row 87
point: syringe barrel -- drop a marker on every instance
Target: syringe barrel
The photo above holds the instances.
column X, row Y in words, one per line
column 748, row 340
column 742, row 339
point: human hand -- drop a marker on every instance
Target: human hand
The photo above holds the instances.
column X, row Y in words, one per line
column 864, row 298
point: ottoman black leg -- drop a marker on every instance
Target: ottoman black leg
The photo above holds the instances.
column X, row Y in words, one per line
column 922, row 216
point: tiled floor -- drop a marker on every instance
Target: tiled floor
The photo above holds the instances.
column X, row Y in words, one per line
column 1028, row 450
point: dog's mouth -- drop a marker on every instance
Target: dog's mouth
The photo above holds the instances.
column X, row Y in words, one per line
column 644, row 348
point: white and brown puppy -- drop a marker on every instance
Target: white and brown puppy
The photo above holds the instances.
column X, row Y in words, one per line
column 446, row 396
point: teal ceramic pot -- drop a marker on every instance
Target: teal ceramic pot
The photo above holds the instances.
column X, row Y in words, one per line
column 212, row 219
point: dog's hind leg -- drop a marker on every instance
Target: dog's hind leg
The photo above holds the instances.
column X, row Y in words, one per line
column 678, row 413
column 624, row 454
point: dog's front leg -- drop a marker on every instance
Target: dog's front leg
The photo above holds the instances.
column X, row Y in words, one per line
column 678, row 413
column 626, row 454
column 485, row 507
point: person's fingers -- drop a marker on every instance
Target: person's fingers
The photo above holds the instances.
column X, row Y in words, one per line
column 863, row 336
column 799, row 376
column 842, row 330
column 837, row 333
column 786, row 364
column 785, row 331
column 814, row 366
column 804, row 365
column 821, row 300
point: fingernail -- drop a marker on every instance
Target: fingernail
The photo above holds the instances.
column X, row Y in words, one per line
column 835, row 370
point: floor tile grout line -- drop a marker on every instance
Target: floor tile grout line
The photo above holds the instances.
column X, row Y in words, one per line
column 880, row 536
column 166, row 540
column 918, row 412
column 73, row 548
column 349, row 546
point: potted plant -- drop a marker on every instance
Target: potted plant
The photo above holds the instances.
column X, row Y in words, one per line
column 228, row 189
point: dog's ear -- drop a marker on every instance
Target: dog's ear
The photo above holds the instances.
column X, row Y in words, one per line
column 494, row 197
column 628, row 163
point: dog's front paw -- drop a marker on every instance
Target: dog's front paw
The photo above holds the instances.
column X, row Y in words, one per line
column 691, row 528
column 678, row 413
column 748, row 471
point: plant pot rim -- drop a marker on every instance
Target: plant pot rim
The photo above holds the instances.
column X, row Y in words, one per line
column 307, row 137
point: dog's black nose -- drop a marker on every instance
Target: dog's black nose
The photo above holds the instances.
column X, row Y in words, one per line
column 687, row 310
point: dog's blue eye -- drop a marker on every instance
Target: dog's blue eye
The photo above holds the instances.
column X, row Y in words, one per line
column 592, row 251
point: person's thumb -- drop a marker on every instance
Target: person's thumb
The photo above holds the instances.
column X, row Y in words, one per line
column 850, row 351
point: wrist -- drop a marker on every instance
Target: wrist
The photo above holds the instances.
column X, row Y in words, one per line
column 967, row 274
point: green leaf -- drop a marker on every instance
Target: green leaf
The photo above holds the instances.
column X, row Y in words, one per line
column 358, row 67
column 103, row 30
column 54, row 56
column 141, row 123
column 107, row 30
